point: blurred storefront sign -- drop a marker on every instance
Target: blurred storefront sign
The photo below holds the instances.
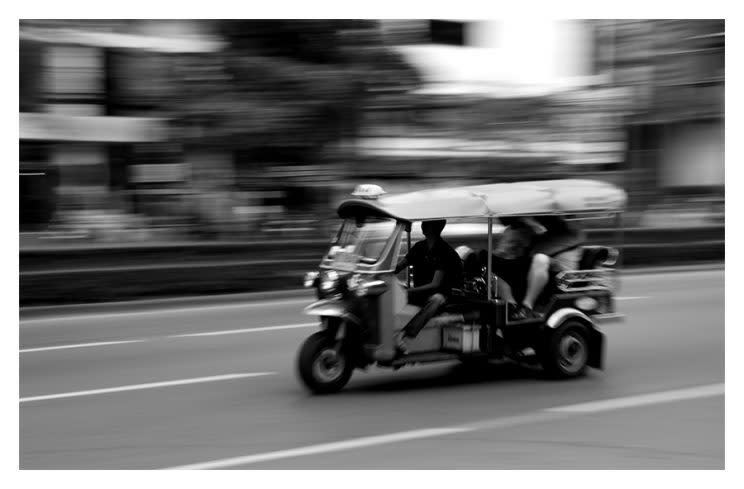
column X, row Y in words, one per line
column 53, row 127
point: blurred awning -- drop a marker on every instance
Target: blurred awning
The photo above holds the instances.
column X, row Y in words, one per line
column 566, row 152
column 454, row 70
column 185, row 44
column 56, row 127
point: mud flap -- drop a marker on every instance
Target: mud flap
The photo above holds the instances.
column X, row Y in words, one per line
column 596, row 349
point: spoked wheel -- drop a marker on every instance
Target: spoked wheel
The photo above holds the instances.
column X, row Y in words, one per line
column 567, row 351
column 323, row 368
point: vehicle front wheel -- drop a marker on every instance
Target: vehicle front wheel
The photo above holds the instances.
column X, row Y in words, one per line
column 566, row 351
column 323, row 368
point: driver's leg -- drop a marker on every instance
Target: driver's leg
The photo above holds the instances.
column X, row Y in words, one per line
column 537, row 279
column 430, row 309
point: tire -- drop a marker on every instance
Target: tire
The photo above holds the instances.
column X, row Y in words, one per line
column 322, row 369
column 566, row 351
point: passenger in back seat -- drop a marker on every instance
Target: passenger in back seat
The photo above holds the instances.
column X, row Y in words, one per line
column 530, row 250
column 556, row 248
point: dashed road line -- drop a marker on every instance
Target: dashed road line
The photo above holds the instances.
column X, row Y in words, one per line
column 79, row 345
column 151, row 385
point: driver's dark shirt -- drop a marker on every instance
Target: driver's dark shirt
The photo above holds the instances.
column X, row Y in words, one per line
column 427, row 261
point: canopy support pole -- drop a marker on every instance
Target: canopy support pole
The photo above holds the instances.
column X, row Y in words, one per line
column 488, row 260
column 620, row 245
column 408, row 268
column 619, row 239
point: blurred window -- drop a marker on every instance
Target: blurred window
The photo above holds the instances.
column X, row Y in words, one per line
column 74, row 73
column 362, row 240
column 447, row 32
column 139, row 79
column 30, row 76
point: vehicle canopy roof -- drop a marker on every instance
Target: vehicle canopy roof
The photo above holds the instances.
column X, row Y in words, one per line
column 570, row 196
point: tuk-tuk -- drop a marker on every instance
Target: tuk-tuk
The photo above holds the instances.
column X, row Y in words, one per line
column 362, row 304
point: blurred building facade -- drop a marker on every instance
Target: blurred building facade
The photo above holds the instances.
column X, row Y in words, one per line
column 230, row 122
column 92, row 118
column 637, row 102
column 675, row 133
column 218, row 121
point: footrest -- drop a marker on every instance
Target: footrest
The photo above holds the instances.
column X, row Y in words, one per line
column 422, row 358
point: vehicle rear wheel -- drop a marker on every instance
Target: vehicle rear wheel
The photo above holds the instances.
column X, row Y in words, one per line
column 566, row 351
column 323, row 368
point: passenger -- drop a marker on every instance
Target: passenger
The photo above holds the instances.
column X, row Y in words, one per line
column 556, row 248
column 530, row 250
column 437, row 269
column 511, row 263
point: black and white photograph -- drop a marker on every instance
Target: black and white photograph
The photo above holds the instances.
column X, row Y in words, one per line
column 371, row 243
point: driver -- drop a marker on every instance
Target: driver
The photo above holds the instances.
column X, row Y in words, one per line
column 437, row 269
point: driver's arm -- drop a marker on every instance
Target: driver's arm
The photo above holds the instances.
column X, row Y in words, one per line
column 436, row 281
column 401, row 265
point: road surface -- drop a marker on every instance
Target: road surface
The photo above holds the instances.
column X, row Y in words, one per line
column 212, row 385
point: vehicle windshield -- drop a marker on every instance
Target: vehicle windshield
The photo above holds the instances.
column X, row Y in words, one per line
column 360, row 240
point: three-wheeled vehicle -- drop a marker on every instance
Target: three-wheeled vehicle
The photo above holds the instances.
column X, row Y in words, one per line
column 362, row 304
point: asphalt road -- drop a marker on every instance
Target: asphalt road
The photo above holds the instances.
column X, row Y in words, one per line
column 143, row 388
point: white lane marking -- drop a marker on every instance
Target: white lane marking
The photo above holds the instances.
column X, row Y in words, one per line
column 642, row 400
column 163, row 311
column 245, row 330
column 496, row 423
column 79, row 345
column 152, row 385
column 366, row 441
column 632, row 298
column 185, row 335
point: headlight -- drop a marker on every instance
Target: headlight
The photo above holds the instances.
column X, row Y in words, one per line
column 310, row 278
column 361, row 287
column 328, row 281
column 354, row 282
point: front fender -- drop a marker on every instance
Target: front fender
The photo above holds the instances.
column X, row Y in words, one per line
column 330, row 308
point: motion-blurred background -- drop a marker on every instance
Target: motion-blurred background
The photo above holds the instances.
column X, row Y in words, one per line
column 188, row 156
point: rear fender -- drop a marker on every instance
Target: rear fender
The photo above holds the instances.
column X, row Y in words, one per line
column 562, row 315
column 596, row 337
